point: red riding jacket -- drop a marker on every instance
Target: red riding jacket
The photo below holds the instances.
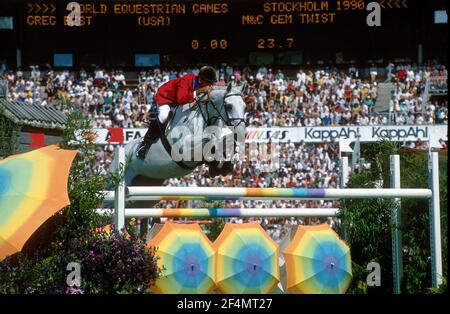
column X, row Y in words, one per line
column 178, row 91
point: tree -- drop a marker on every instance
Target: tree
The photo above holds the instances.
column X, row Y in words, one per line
column 368, row 221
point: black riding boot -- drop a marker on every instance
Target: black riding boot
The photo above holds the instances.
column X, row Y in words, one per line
column 150, row 136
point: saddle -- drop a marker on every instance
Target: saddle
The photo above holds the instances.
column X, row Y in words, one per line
column 156, row 131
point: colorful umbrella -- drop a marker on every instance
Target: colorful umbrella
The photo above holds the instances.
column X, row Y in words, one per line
column 317, row 261
column 33, row 187
column 187, row 258
column 247, row 259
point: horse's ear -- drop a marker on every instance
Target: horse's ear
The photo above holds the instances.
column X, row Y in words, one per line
column 244, row 88
column 229, row 87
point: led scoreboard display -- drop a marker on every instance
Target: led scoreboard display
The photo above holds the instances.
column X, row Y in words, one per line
column 211, row 27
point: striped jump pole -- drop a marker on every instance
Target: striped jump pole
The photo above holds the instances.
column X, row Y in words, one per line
column 230, row 212
column 168, row 193
column 236, row 193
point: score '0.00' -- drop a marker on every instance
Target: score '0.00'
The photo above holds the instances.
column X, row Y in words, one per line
column 212, row 44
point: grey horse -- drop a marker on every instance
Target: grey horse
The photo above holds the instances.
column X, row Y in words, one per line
column 224, row 110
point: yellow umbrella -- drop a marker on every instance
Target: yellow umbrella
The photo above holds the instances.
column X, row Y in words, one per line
column 317, row 261
column 187, row 258
column 33, row 187
column 247, row 259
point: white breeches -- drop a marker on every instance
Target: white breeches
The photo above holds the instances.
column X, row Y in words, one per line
column 163, row 113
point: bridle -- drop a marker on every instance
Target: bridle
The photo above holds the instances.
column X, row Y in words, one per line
column 207, row 115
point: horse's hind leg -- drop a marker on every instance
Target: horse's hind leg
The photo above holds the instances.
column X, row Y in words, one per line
column 144, row 181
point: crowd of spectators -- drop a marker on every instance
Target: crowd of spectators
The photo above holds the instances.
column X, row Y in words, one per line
column 317, row 98
column 407, row 105
column 310, row 98
column 328, row 97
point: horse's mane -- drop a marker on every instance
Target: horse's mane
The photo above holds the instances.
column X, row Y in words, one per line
column 216, row 87
column 234, row 88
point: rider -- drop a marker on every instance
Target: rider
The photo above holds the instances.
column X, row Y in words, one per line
column 176, row 92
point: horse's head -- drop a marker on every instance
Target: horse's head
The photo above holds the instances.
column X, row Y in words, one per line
column 225, row 107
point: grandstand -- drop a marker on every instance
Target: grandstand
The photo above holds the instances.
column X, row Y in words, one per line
column 331, row 75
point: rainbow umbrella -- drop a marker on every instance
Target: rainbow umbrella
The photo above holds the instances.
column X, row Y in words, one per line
column 247, row 259
column 33, row 187
column 317, row 261
column 187, row 258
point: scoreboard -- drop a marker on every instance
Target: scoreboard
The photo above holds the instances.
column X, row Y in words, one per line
column 214, row 29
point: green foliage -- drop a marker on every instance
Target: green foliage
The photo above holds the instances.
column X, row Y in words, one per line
column 416, row 224
column 26, row 275
column 9, row 137
column 359, row 285
column 115, row 263
column 215, row 228
column 109, row 263
column 368, row 226
column 86, row 182
column 416, row 267
column 367, row 222
column 377, row 154
column 442, row 288
column 368, row 231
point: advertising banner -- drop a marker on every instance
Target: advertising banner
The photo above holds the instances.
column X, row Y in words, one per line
column 342, row 134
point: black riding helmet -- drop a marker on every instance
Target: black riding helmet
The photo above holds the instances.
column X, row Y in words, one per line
column 208, row 74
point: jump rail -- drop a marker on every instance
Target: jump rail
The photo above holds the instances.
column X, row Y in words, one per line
column 230, row 212
column 230, row 193
column 122, row 194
